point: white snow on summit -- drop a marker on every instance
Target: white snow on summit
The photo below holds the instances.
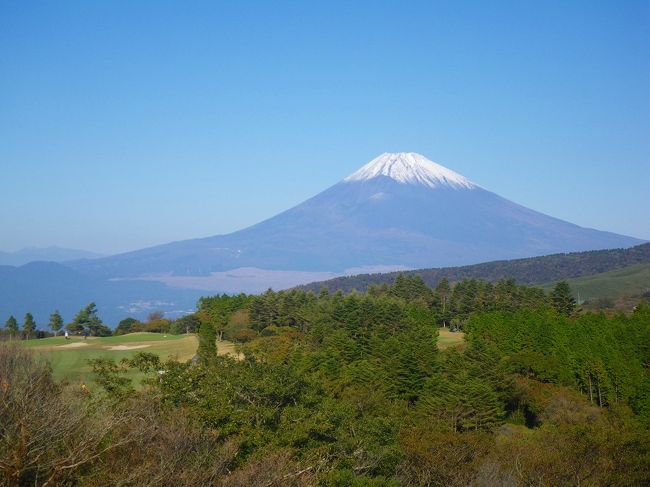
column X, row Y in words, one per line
column 411, row 168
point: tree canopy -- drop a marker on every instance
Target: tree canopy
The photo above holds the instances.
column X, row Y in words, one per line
column 87, row 320
column 333, row 389
column 56, row 322
column 29, row 325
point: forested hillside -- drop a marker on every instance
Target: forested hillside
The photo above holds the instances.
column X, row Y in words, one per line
column 534, row 270
column 352, row 390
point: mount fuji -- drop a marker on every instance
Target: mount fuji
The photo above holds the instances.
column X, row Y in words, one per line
column 398, row 211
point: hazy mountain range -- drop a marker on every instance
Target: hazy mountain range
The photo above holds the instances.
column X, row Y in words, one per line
column 45, row 254
column 42, row 287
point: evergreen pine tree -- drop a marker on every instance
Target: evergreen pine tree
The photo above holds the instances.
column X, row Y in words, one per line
column 29, row 325
column 207, row 350
column 442, row 295
column 562, row 299
column 87, row 319
column 324, row 293
column 11, row 325
column 56, row 322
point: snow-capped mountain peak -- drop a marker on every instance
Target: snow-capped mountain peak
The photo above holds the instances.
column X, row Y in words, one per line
column 411, row 168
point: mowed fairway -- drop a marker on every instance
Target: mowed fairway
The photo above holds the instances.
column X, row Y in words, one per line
column 69, row 358
column 448, row 338
column 633, row 280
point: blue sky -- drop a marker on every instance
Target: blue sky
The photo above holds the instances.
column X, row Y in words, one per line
column 129, row 124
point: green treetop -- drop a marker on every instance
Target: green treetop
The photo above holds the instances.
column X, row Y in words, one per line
column 12, row 325
column 29, row 325
column 87, row 318
column 207, row 350
column 56, row 322
column 562, row 299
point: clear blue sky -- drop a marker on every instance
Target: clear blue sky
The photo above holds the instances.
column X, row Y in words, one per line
column 129, row 124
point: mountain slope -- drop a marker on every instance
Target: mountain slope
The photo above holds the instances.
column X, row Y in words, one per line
column 535, row 270
column 397, row 210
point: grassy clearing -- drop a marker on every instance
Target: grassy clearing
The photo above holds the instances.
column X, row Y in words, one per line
column 69, row 358
column 447, row 339
column 629, row 281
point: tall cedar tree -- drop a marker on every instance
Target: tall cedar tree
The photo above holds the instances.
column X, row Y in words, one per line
column 207, row 350
column 562, row 299
column 443, row 293
column 56, row 322
column 29, row 325
column 11, row 325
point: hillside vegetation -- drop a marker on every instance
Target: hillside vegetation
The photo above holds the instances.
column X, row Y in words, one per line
column 629, row 281
column 534, row 270
column 352, row 390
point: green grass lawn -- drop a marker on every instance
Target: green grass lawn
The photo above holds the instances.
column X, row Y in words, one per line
column 629, row 281
column 69, row 358
column 104, row 341
column 448, row 338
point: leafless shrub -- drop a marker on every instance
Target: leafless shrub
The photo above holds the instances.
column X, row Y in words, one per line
column 171, row 452
column 274, row 470
column 48, row 434
column 440, row 458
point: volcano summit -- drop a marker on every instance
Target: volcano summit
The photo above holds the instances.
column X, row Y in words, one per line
column 400, row 210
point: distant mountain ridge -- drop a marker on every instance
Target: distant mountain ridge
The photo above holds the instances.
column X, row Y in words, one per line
column 45, row 254
column 534, row 270
column 42, row 287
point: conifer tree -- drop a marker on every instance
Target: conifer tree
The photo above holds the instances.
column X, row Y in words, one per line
column 207, row 350
column 11, row 325
column 87, row 319
column 56, row 322
column 29, row 325
column 562, row 299
column 442, row 294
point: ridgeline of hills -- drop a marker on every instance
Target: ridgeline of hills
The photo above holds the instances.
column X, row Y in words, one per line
column 531, row 271
column 42, row 287
column 45, row 254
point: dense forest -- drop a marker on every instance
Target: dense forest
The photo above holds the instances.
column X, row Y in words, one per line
column 352, row 390
column 533, row 270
